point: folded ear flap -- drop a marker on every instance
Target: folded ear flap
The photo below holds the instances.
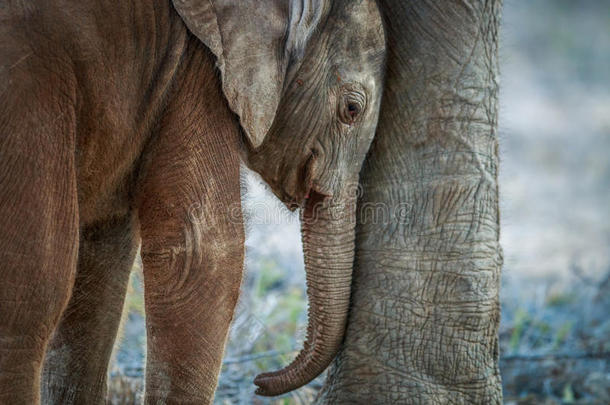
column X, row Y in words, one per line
column 248, row 38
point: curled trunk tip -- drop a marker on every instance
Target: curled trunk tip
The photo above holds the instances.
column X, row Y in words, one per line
column 326, row 239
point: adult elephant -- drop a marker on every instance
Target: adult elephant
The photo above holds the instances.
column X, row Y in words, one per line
column 125, row 121
column 424, row 315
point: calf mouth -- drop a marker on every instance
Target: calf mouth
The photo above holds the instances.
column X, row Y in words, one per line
column 307, row 186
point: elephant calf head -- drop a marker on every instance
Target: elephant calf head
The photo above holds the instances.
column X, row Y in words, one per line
column 305, row 79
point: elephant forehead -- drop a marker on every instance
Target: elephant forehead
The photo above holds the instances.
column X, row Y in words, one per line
column 358, row 27
column 357, row 43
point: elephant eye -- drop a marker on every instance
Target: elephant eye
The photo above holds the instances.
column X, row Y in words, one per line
column 351, row 107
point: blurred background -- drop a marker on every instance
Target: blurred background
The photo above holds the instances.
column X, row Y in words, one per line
column 555, row 209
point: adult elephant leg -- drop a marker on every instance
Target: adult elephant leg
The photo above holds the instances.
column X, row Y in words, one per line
column 192, row 237
column 38, row 217
column 424, row 317
column 76, row 364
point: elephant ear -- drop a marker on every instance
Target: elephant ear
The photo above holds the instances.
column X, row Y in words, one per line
column 248, row 38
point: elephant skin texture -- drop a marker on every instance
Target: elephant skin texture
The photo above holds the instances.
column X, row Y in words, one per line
column 423, row 324
column 124, row 124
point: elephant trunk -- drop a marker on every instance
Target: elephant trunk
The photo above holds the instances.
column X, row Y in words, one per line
column 328, row 245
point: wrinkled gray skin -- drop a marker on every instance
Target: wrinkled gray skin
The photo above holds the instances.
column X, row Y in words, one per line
column 332, row 103
column 424, row 316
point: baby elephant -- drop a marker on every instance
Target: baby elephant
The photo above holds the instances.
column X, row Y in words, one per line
column 123, row 123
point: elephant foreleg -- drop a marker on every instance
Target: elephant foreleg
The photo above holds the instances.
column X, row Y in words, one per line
column 77, row 359
column 38, row 218
column 192, row 240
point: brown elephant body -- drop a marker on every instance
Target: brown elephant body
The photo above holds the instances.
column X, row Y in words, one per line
column 100, row 149
column 125, row 123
